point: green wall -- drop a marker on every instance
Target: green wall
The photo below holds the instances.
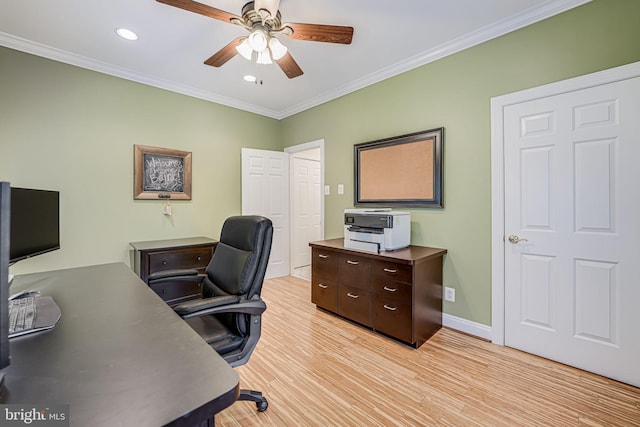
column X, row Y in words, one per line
column 73, row 130
column 455, row 92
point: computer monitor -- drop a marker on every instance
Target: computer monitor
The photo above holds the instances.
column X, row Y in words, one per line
column 5, row 216
column 35, row 223
column 29, row 226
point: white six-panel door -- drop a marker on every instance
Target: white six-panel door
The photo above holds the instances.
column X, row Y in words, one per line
column 306, row 194
column 572, row 228
column 265, row 191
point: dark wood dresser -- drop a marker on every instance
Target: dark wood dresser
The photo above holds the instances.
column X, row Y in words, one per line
column 160, row 255
column 398, row 293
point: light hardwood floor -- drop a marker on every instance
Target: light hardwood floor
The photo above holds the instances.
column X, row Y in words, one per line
column 319, row 370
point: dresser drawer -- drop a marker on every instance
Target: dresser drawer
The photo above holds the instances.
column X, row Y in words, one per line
column 385, row 270
column 355, row 304
column 324, row 264
column 354, row 270
column 197, row 258
column 324, row 294
column 392, row 317
column 392, row 289
column 177, row 291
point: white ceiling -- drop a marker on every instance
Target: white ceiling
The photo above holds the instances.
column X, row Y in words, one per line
column 390, row 37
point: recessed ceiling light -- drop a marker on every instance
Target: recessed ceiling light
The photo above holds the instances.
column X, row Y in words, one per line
column 127, row 34
column 250, row 78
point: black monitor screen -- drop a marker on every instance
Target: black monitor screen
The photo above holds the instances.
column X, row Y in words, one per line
column 5, row 212
column 35, row 222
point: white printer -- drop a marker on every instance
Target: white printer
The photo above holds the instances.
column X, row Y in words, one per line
column 376, row 230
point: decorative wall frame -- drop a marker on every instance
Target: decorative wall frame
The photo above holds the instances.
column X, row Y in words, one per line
column 402, row 171
column 161, row 173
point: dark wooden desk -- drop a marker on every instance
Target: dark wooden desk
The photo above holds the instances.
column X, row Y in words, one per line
column 118, row 356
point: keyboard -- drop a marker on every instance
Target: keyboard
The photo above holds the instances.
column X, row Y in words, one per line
column 22, row 315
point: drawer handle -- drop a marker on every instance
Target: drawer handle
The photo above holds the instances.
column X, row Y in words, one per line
column 352, row 262
column 386, row 288
column 390, row 308
column 389, row 270
column 349, row 294
column 164, row 262
column 199, row 258
column 323, row 286
column 323, row 256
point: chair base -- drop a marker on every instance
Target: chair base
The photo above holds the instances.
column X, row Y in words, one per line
column 254, row 396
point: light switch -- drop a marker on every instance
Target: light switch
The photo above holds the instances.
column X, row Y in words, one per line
column 327, row 190
column 340, row 189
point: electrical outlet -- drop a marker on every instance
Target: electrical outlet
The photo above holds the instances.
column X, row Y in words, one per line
column 449, row 294
column 327, row 190
column 340, row 188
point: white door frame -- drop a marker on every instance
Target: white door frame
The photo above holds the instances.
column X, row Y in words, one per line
column 498, row 105
column 296, row 149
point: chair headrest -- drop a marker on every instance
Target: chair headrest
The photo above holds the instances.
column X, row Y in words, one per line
column 241, row 232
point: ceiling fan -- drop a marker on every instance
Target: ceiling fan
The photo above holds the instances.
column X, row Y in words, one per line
column 262, row 19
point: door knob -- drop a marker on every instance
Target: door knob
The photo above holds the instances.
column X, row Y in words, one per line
column 515, row 239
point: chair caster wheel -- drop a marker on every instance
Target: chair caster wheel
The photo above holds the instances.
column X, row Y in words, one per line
column 256, row 397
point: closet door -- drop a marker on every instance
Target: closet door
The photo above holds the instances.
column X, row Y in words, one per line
column 572, row 167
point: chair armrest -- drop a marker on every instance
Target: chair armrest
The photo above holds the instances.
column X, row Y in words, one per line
column 252, row 307
column 198, row 305
column 167, row 275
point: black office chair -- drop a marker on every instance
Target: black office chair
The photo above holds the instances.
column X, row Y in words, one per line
column 228, row 317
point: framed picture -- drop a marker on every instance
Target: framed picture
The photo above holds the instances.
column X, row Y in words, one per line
column 402, row 171
column 161, row 173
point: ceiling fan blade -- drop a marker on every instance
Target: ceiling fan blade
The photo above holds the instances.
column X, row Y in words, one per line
column 289, row 66
column 202, row 9
column 320, row 33
column 225, row 54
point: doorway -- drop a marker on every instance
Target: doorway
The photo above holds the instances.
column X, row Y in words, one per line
column 564, row 222
column 287, row 188
column 306, row 168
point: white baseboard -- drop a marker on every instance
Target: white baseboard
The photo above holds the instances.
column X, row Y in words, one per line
column 467, row 326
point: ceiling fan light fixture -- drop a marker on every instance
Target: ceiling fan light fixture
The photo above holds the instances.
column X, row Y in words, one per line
column 264, row 58
column 258, row 40
column 244, row 49
column 278, row 50
column 262, row 19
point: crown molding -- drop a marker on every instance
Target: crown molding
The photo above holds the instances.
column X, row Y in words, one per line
column 528, row 17
column 49, row 52
column 513, row 23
